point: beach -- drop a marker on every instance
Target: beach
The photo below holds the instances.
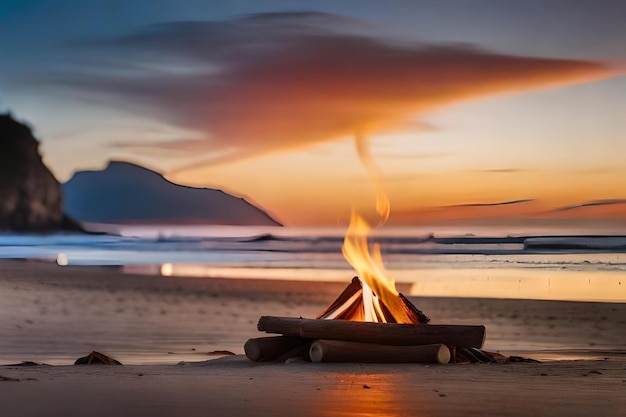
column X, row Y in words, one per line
column 171, row 334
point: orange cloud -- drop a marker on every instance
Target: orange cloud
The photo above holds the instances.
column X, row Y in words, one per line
column 268, row 83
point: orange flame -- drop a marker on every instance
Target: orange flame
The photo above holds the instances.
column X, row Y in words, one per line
column 377, row 286
column 369, row 267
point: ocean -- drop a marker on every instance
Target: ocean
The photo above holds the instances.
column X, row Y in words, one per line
column 446, row 263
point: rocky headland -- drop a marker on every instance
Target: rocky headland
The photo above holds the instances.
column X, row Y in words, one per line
column 31, row 199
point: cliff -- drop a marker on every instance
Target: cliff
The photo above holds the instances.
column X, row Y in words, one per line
column 30, row 197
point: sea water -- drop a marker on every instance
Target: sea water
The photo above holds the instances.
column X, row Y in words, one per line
column 490, row 263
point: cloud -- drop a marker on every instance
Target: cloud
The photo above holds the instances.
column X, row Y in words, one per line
column 610, row 202
column 274, row 82
column 503, row 203
column 506, row 209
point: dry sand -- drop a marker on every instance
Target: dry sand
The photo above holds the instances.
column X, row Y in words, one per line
column 54, row 315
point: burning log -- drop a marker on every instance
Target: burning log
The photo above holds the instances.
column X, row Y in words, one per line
column 379, row 333
column 276, row 348
column 360, row 326
column 342, row 351
column 349, row 306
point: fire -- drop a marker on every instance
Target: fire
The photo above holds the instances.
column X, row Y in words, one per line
column 375, row 282
column 380, row 300
column 374, row 296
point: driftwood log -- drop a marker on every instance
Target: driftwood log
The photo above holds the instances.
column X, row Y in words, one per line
column 380, row 333
column 342, row 351
column 276, row 348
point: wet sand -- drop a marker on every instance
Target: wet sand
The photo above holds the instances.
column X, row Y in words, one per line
column 238, row 387
column 151, row 324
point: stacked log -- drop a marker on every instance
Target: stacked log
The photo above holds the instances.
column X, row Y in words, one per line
column 320, row 340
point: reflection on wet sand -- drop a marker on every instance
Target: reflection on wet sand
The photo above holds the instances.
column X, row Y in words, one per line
column 363, row 394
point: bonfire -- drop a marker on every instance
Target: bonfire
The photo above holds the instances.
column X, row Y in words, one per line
column 370, row 321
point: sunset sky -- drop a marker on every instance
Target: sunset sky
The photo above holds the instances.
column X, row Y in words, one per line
column 475, row 110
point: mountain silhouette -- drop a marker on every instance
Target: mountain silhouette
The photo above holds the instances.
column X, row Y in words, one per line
column 127, row 193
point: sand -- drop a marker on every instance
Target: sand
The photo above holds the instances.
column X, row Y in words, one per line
column 163, row 329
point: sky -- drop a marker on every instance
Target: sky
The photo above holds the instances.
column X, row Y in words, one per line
column 475, row 111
